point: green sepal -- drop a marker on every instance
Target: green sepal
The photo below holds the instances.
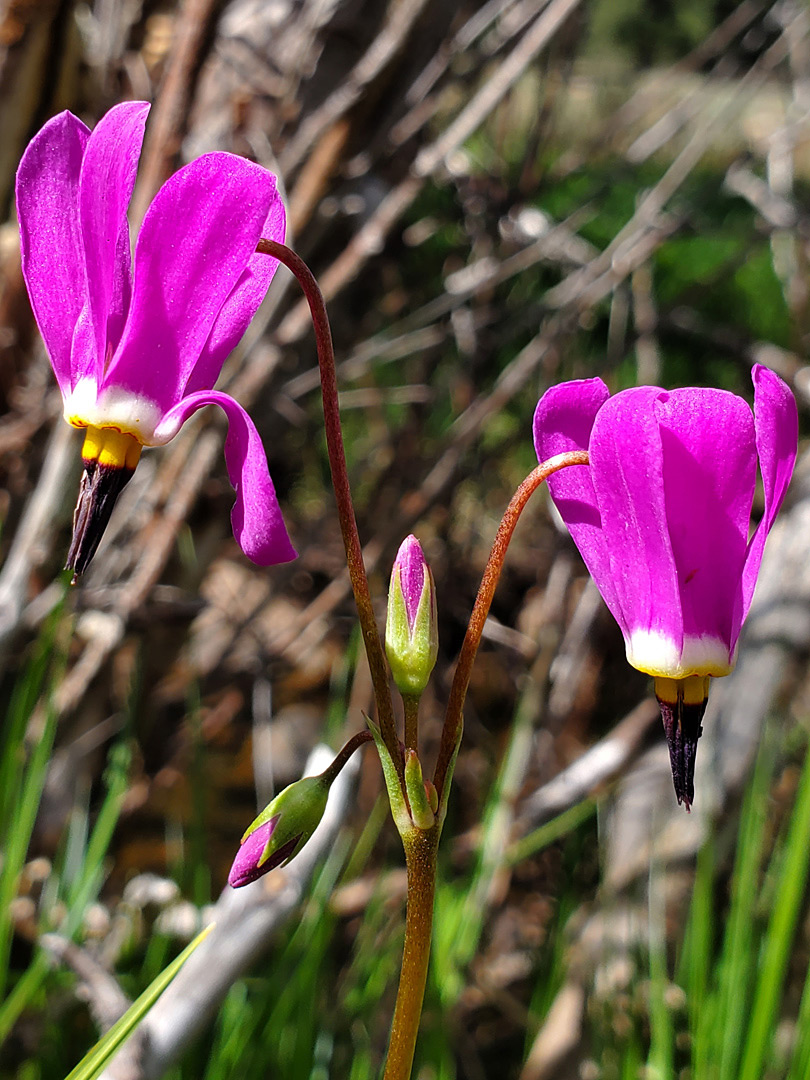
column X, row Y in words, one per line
column 441, row 813
column 421, row 813
column 399, row 807
column 299, row 809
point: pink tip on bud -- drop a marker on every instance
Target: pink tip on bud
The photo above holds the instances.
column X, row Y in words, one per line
column 411, row 635
column 246, row 864
column 411, row 565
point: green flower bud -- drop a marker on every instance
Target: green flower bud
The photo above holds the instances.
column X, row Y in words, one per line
column 411, row 635
column 281, row 829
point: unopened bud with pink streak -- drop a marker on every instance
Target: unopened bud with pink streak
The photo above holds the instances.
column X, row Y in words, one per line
column 411, row 635
column 281, row 829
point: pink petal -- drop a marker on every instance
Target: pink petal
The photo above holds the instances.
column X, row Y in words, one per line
column 627, row 467
column 246, row 864
column 107, row 179
column 562, row 422
column 256, row 517
column 240, row 307
column 197, row 238
column 707, row 438
column 50, row 235
column 410, row 562
column 776, row 423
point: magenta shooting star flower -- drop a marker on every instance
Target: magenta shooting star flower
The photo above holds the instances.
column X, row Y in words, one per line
column 137, row 349
column 661, row 517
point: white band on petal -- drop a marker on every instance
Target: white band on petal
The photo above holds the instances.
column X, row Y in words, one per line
column 658, row 655
column 115, row 408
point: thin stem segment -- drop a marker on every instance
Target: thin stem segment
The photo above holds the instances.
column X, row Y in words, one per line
column 343, row 496
column 454, row 716
column 345, row 752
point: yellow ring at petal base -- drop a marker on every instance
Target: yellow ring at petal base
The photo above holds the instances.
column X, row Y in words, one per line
column 111, row 448
column 692, row 690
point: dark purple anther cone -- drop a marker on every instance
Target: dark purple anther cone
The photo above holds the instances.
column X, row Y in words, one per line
column 682, row 725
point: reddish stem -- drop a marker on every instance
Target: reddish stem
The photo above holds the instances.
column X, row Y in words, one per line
column 345, row 752
column 343, row 495
column 454, row 716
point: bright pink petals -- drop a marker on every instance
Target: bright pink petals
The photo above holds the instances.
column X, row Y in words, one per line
column 50, row 235
column 410, row 564
column 628, row 479
column 108, row 173
column 709, row 481
column 192, row 251
column 776, row 422
column 662, row 513
column 562, row 423
column 138, row 351
column 256, row 517
column 246, row 864
column 241, row 305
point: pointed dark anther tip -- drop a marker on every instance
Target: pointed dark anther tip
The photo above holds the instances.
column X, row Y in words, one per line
column 682, row 726
column 98, row 492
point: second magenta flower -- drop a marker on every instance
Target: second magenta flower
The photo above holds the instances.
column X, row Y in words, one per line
column 661, row 517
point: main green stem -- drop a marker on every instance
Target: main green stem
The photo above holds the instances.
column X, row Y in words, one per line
column 420, row 858
column 454, row 716
column 343, row 496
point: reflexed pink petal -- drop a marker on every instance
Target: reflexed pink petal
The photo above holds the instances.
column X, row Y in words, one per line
column 256, row 517
column 777, row 433
column 562, row 422
column 195, row 242
column 627, row 467
column 50, row 235
column 240, row 307
column 107, row 179
column 709, row 474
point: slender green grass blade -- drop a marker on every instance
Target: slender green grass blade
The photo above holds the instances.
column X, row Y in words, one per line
column 86, row 885
column 26, row 692
column 697, row 956
column 738, row 960
column 19, row 836
column 800, row 1062
column 552, row 830
column 660, row 1061
column 781, row 929
column 92, row 1064
column 21, row 780
column 24, row 990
